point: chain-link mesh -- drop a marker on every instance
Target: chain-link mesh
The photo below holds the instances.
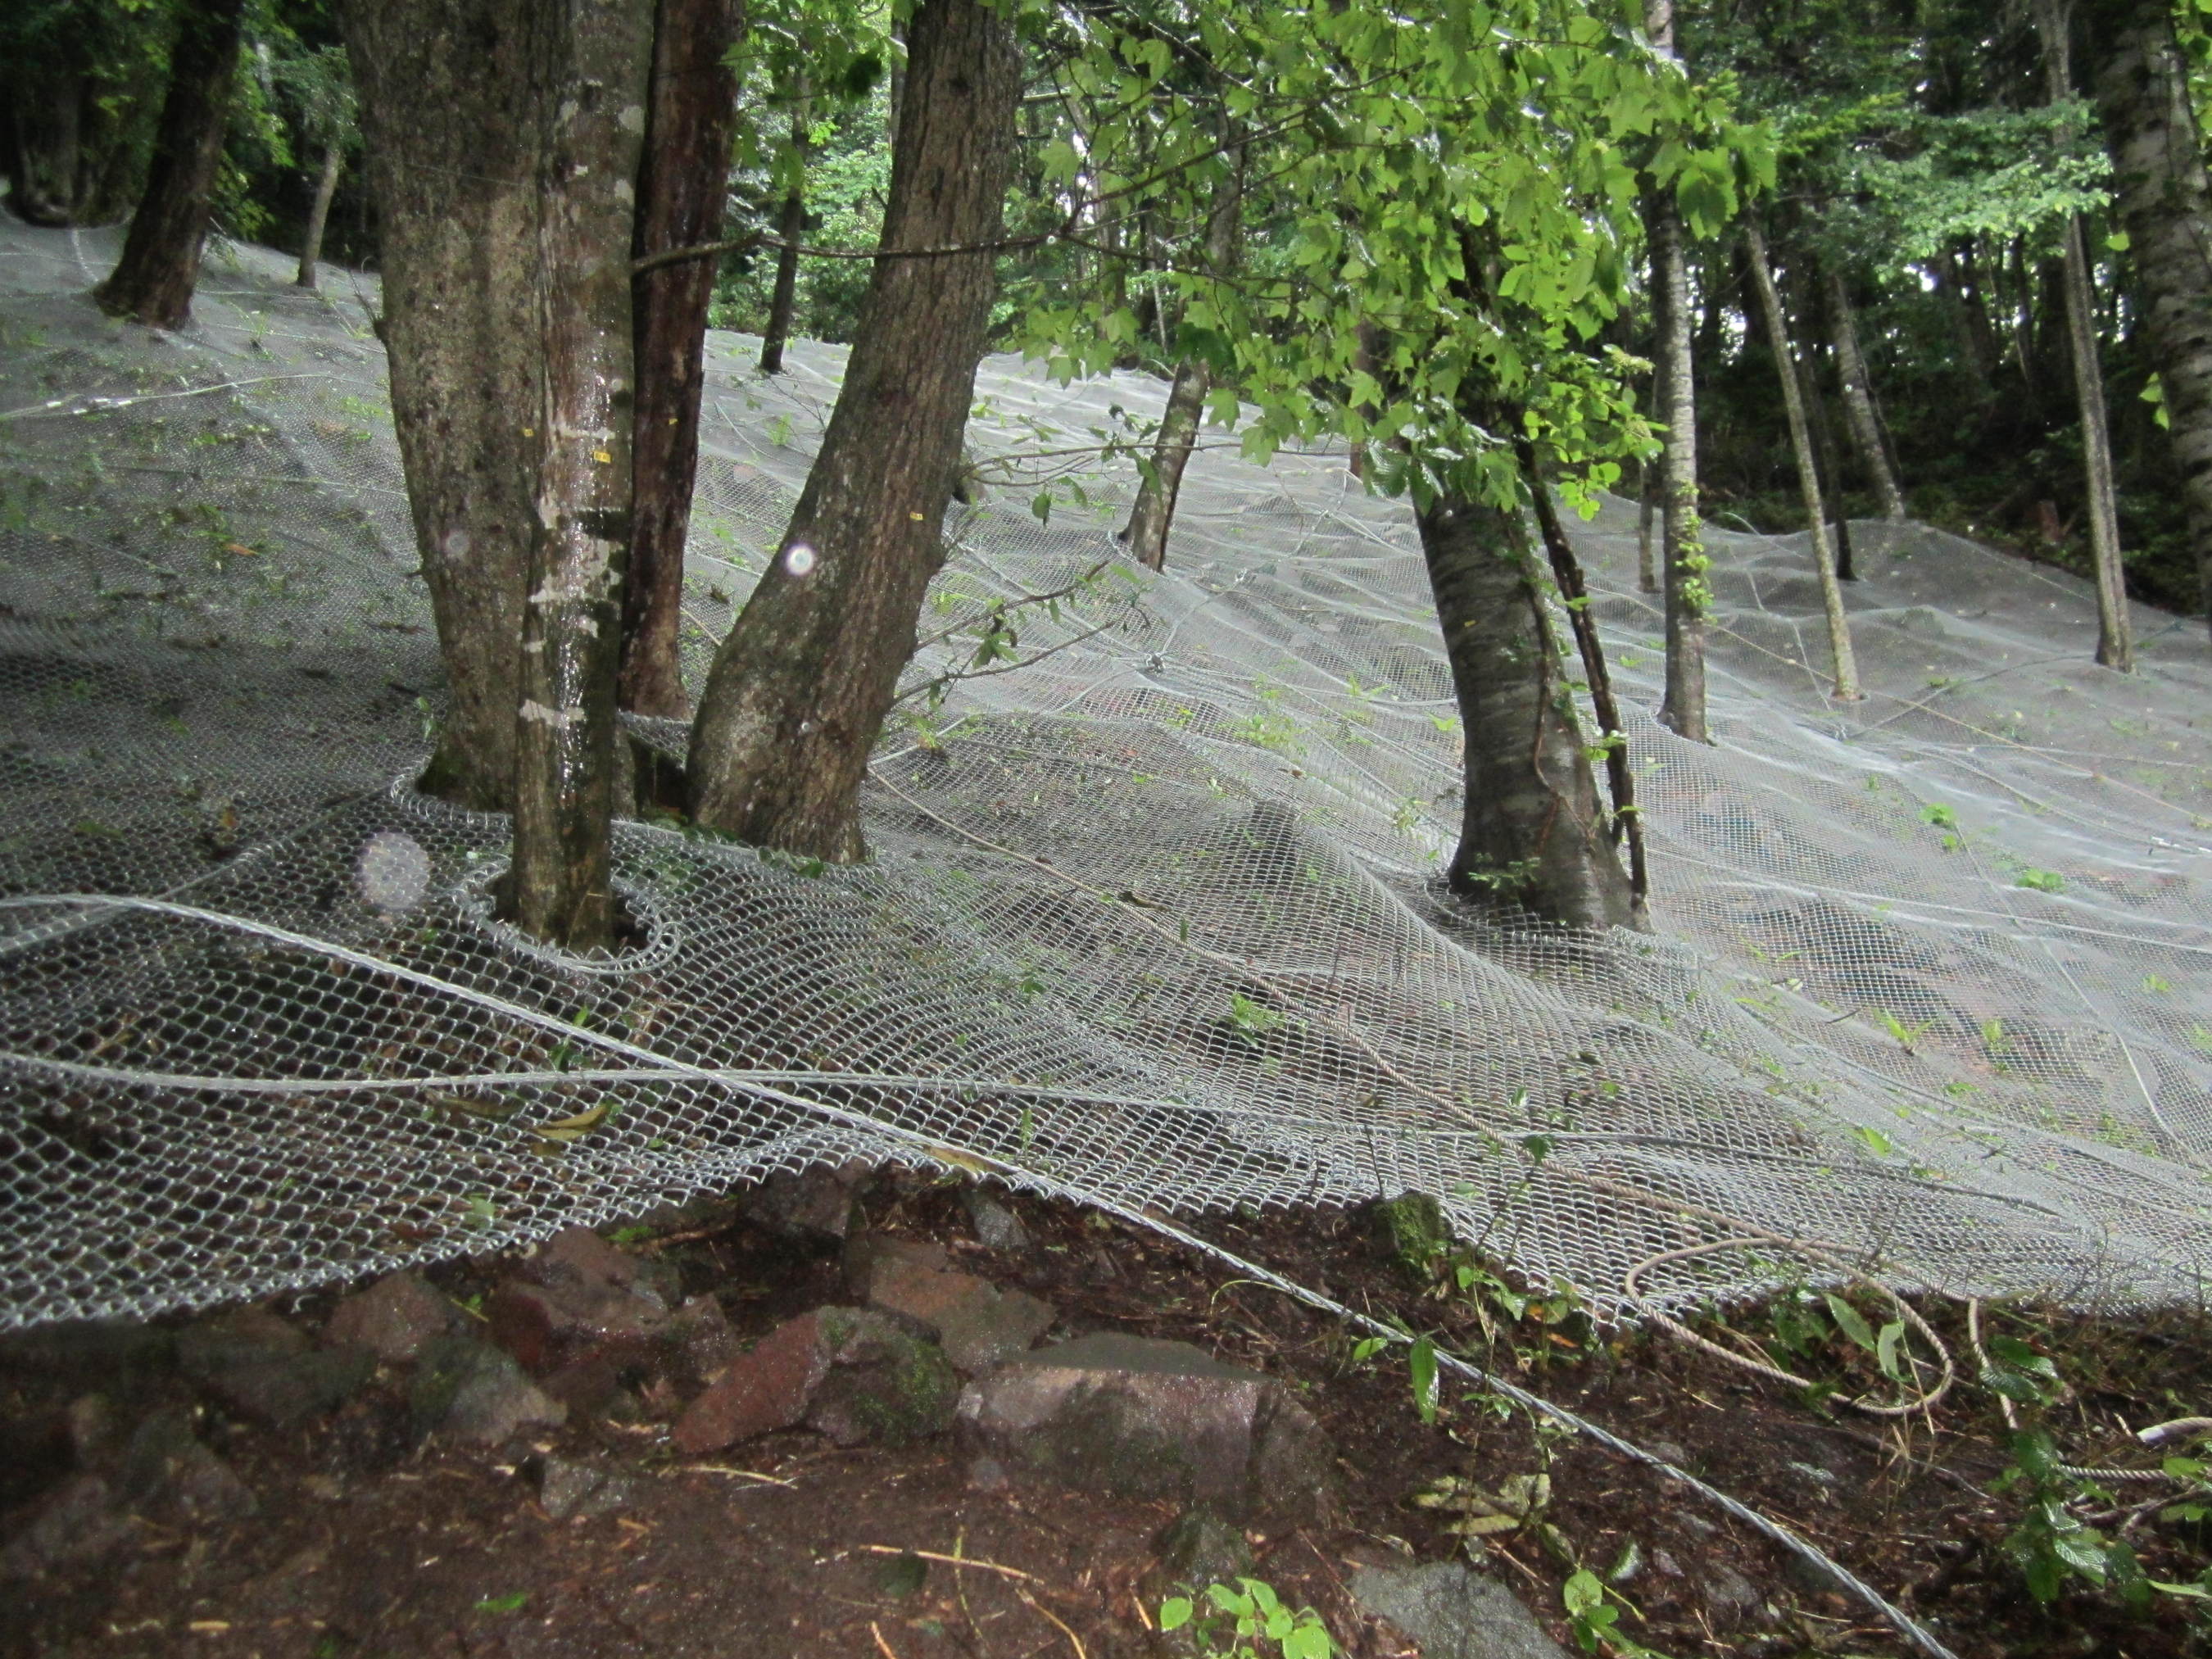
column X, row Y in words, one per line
column 1154, row 918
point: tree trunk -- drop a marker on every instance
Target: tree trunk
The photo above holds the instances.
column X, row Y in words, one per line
column 1683, row 561
column 45, row 139
column 1146, row 534
column 1825, row 451
column 592, row 58
column 1574, row 593
column 1650, row 477
column 790, row 226
column 683, row 185
column 319, row 216
column 153, row 282
column 1859, row 412
column 2115, row 641
column 1845, row 663
column 1531, row 835
column 800, row 689
column 2141, row 85
column 1366, row 358
column 438, row 79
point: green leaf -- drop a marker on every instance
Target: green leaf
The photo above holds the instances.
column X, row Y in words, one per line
column 1175, row 1613
column 1421, row 1361
column 1041, row 505
column 1367, row 1347
column 1886, row 1350
column 1851, row 1323
column 509, row 1603
column 1583, row 1592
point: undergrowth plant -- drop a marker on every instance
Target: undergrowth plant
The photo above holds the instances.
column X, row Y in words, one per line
column 2049, row 1543
column 1250, row 1619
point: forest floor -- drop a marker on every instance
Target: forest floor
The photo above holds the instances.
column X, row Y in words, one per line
column 366, row 1538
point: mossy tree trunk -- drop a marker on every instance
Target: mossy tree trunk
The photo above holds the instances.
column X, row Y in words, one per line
column 682, row 188
column 800, row 689
column 153, row 282
column 1532, row 835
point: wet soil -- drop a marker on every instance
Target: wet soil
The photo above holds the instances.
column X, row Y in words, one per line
column 367, row 1540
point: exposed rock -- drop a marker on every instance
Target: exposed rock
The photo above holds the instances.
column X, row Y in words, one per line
column 78, row 1521
column 852, row 1373
column 266, row 1370
column 168, row 1474
column 1132, row 1416
column 552, row 1319
column 475, row 1394
column 700, row 1341
column 980, row 1325
column 1448, row 1612
column 1730, row 1595
column 566, row 1488
column 997, row 1227
column 393, row 1318
column 814, row 1206
column 886, row 1384
column 578, row 1256
column 1412, row 1232
column 768, row 1388
column 1198, row 1548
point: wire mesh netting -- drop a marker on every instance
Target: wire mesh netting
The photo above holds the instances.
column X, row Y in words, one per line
column 1153, row 919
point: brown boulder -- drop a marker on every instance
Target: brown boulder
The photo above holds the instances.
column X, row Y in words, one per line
column 1131, row 1417
column 393, row 1319
column 979, row 1325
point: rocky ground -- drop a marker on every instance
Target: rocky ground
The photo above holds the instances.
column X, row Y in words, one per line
column 889, row 1413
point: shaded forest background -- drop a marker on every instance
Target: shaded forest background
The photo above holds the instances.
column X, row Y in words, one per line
column 1920, row 161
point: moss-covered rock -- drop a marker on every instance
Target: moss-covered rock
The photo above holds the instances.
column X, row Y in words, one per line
column 1412, row 1230
column 887, row 1382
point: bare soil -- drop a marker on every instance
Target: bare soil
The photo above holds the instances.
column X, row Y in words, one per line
column 367, row 1542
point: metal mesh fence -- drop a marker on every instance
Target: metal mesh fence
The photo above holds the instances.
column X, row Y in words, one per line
column 1154, row 918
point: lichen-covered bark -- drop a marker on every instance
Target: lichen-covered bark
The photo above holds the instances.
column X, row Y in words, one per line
column 800, row 689
column 153, row 282
column 1844, row 662
column 1681, row 548
column 1532, row 835
column 2141, row 85
column 683, row 185
column 439, row 79
column 589, row 59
